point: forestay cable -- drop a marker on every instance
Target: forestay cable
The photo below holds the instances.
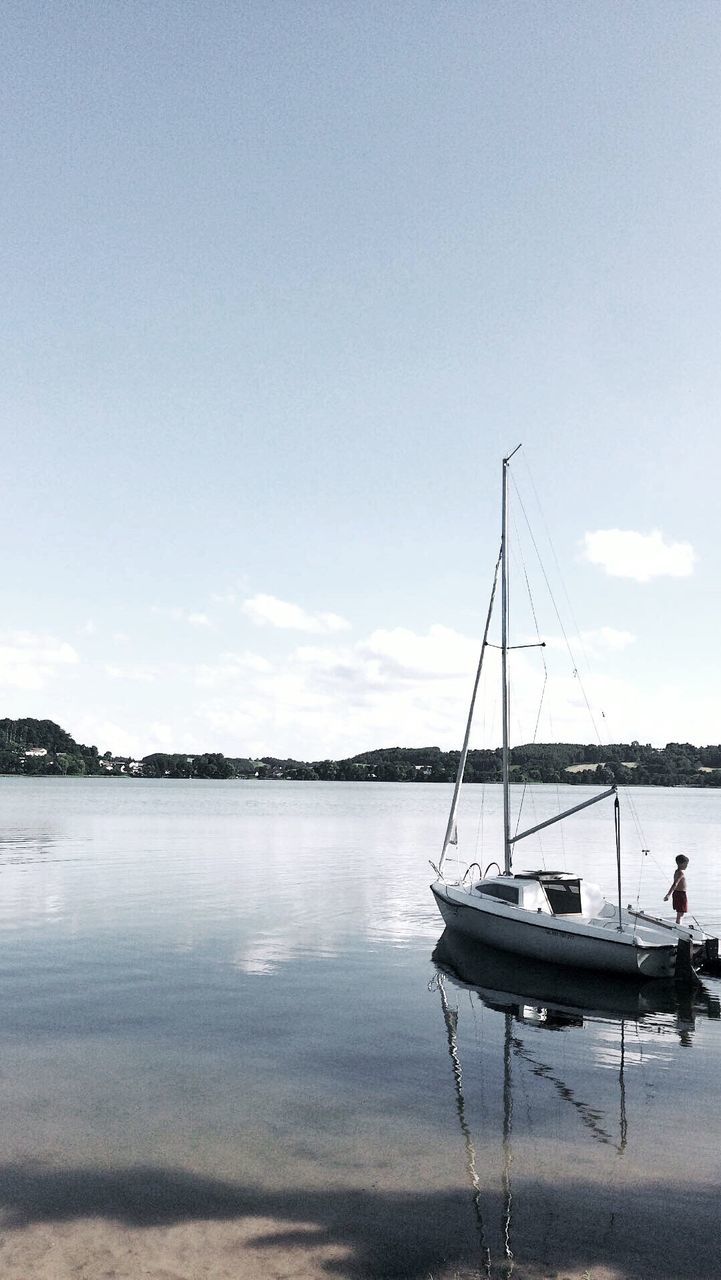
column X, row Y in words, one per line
column 451, row 836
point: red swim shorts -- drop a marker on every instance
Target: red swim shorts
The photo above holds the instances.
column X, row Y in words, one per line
column 680, row 901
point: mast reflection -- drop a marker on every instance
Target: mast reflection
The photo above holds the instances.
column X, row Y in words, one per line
column 547, row 998
column 451, row 1020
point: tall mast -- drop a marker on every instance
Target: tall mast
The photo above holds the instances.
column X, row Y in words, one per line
column 504, row 668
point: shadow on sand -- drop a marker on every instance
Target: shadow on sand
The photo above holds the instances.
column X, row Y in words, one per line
column 393, row 1235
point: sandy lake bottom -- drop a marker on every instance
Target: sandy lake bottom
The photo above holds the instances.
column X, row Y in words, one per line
column 235, row 1044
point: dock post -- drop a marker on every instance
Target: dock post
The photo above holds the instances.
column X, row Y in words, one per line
column 684, row 971
column 711, row 956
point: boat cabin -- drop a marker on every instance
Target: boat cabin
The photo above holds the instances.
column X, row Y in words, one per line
column 554, row 893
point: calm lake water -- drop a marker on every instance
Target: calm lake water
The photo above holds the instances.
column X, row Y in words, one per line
column 219, row 1001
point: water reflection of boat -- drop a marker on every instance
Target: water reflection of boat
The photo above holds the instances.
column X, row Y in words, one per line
column 504, row 982
column 549, row 998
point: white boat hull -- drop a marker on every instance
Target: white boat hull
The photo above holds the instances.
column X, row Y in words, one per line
column 557, row 942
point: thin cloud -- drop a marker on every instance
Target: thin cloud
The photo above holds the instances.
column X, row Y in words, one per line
column 441, row 653
column 333, row 699
column 608, row 639
column 141, row 672
column 28, row 661
column 142, row 739
column 189, row 616
column 230, row 668
column 329, row 697
column 624, row 553
column 598, row 642
column 398, row 686
column 265, row 610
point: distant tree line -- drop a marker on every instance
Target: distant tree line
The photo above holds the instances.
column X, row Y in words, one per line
column 211, row 764
column 36, row 747
column 676, row 764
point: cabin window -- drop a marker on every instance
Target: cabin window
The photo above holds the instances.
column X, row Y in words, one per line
column 564, row 896
column 505, row 892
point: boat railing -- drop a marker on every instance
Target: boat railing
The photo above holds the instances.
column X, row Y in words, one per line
column 658, row 920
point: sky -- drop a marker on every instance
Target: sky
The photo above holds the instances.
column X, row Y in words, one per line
column 282, row 284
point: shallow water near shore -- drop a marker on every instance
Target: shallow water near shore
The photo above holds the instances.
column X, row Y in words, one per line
column 235, row 1043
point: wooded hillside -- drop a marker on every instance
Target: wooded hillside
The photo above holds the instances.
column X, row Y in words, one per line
column 30, row 746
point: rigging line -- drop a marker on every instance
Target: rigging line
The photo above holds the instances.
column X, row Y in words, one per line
column 479, row 825
column 634, row 814
column 628, row 799
column 535, row 734
column 625, row 789
column 644, row 855
column 536, row 814
column 557, row 562
column 466, row 740
column 519, row 552
column 559, row 618
column 561, row 827
column 590, row 1116
column 520, row 556
column 576, row 675
column 656, row 864
column 645, row 850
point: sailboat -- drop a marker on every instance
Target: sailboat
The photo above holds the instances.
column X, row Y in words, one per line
column 555, row 916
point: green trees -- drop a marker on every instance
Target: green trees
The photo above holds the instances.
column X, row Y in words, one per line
column 39, row 747
column 73, row 765
column 211, row 764
column 63, row 755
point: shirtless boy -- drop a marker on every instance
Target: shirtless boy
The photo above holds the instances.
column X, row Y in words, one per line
column 677, row 892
